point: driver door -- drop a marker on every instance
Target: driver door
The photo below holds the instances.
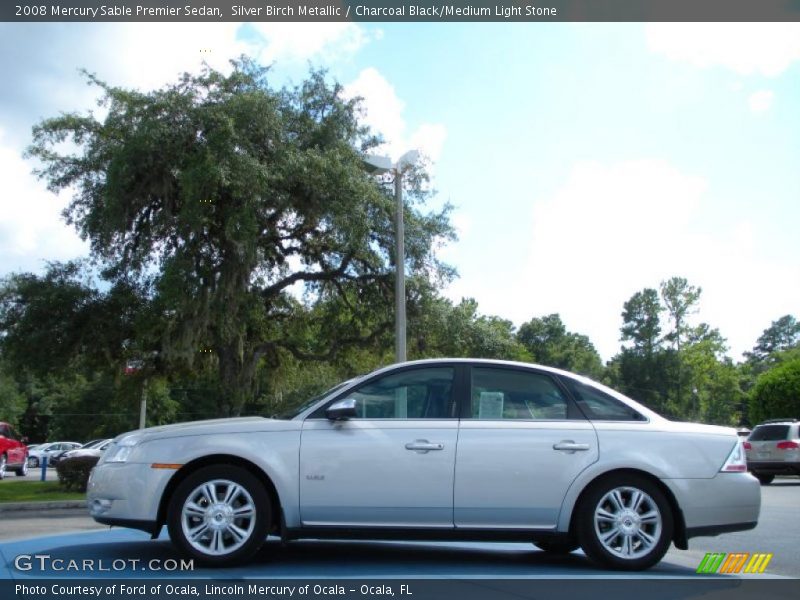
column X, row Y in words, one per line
column 392, row 464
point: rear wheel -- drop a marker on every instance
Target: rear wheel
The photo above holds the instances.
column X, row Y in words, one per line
column 219, row 515
column 33, row 462
column 3, row 464
column 625, row 522
column 764, row 478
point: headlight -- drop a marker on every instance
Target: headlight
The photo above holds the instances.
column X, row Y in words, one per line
column 121, row 450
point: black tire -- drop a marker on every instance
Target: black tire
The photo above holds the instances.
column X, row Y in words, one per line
column 256, row 527
column 33, row 462
column 658, row 528
column 557, row 546
column 764, row 478
column 23, row 470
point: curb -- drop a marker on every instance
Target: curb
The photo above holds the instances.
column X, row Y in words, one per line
column 6, row 507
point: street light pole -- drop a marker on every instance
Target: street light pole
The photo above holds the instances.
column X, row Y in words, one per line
column 380, row 165
column 400, row 276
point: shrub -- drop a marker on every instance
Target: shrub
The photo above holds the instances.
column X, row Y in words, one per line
column 73, row 473
column 776, row 394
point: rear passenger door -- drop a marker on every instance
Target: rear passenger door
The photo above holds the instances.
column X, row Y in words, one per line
column 521, row 444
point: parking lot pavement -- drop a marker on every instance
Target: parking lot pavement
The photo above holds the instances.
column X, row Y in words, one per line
column 27, row 524
column 33, row 475
column 304, row 559
column 777, row 533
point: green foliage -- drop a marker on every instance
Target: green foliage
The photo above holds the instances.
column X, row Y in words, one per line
column 776, row 393
column 782, row 335
column 689, row 380
column 549, row 343
column 12, row 401
column 73, row 472
column 680, row 300
column 641, row 321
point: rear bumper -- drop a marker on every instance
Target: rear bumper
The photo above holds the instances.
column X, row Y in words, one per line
column 712, row 530
column 724, row 503
column 775, row 468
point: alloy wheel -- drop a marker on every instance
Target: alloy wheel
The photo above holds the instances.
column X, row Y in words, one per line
column 627, row 522
column 218, row 517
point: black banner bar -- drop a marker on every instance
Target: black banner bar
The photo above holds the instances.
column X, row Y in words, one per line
column 399, row 10
column 398, row 589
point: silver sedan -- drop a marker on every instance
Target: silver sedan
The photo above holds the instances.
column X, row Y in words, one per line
column 442, row 449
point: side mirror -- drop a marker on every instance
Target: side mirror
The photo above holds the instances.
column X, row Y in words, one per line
column 342, row 410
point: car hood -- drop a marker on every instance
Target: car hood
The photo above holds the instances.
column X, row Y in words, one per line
column 212, row 426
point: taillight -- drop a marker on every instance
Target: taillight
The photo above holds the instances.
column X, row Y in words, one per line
column 736, row 462
column 748, row 446
column 788, row 445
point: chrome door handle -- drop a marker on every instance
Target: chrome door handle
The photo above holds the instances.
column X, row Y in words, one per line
column 423, row 446
column 570, row 446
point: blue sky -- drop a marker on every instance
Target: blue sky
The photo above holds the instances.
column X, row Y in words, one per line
column 585, row 161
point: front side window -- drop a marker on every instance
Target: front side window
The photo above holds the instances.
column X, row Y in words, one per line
column 415, row 394
column 512, row 394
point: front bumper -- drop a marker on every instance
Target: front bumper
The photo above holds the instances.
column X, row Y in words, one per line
column 126, row 493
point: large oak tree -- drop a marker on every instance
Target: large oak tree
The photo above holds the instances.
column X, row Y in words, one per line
column 245, row 212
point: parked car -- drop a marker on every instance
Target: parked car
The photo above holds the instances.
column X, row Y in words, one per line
column 50, row 450
column 436, row 449
column 93, row 448
column 773, row 448
column 13, row 452
column 55, row 459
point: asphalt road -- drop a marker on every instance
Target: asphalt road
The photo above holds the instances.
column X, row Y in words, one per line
column 70, row 537
column 33, row 475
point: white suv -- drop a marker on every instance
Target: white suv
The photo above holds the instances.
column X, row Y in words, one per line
column 773, row 448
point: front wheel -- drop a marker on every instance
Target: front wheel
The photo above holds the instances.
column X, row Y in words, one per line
column 3, row 464
column 625, row 522
column 33, row 462
column 219, row 515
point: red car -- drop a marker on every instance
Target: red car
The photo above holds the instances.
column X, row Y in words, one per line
column 13, row 452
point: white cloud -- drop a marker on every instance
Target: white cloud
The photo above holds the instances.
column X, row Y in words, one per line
column 760, row 101
column 384, row 114
column 611, row 230
column 746, row 48
column 325, row 42
column 31, row 229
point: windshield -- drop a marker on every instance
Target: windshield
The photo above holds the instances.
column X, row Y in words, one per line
column 293, row 412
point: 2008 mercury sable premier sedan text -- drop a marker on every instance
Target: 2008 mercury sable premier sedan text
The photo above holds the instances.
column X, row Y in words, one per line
column 436, row 449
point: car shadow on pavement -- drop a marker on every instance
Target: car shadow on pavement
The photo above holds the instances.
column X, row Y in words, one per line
column 315, row 558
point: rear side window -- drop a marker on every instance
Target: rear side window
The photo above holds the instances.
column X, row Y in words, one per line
column 769, row 433
column 599, row 406
column 512, row 394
